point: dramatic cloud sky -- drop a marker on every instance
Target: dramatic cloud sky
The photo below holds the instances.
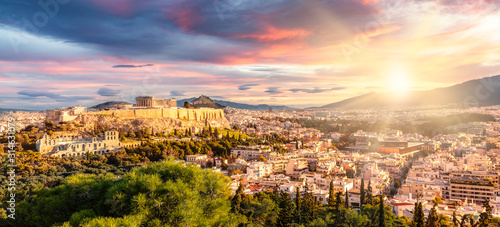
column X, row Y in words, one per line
column 291, row 52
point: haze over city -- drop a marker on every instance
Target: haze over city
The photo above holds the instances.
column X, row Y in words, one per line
column 295, row 53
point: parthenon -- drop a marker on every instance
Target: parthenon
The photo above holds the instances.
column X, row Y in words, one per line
column 148, row 101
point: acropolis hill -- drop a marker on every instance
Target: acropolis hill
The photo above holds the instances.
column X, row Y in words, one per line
column 159, row 115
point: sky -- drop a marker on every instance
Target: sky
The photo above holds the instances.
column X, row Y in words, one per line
column 300, row 53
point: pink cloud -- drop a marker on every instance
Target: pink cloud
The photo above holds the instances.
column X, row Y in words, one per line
column 124, row 8
column 184, row 15
column 270, row 33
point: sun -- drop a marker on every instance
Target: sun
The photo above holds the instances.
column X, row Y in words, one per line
column 399, row 81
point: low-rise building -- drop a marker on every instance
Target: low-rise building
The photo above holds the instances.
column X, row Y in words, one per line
column 74, row 145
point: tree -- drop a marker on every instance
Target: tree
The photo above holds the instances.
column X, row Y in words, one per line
column 310, row 205
column 50, row 125
column 187, row 105
column 485, row 216
column 370, row 193
column 464, row 219
column 331, row 195
column 362, row 193
column 454, row 219
column 287, row 208
column 236, row 172
column 472, row 220
column 338, row 202
column 262, row 159
column 381, row 215
column 237, row 198
column 298, row 207
column 432, row 219
column 418, row 215
column 437, row 200
column 236, row 127
column 346, row 204
column 161, row 194
column 444, row 221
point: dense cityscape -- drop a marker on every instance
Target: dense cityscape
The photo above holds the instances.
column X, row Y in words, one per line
column 268, row 167
column 280, row 113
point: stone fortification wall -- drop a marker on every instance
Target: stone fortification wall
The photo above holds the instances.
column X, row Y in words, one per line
column 181, row 114
column 156, row 120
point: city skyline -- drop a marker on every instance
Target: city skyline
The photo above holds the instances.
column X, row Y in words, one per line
column 260, row 52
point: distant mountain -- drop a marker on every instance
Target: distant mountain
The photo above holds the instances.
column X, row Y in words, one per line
column 111, row 105
column 203, row 101
column 6, row 109
column 237, row 105
column 479, row 92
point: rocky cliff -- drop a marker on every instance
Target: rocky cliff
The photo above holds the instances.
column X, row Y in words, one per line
column 157, row 120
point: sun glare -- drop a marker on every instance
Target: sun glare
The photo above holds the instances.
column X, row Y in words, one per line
column 399, row 82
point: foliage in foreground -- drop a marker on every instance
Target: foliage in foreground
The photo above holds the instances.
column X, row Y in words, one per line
column 164, row 193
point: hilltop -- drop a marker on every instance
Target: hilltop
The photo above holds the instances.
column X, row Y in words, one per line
column 231, row 104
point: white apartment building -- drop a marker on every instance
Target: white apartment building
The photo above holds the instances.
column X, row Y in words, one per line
column 259, row 169
column 250, row 153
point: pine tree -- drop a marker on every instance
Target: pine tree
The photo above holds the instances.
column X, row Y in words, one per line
column 362, row 193
column 331, row 195
column 381, row 217
column 346, row 203
column 370, row 193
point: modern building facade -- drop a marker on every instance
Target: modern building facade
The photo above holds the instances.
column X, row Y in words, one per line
column 471, row 188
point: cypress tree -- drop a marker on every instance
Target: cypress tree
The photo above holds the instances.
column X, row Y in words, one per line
column 454, row 219
column 418, row 215
column 331, row 195
column 309, row 204
column 237, row 198
column 362, row 193
column 381, row 217
column 286, row 206
column 432, row 219
column 298, row 207
column 338, row 202
column 346, row 199
column 370, row 193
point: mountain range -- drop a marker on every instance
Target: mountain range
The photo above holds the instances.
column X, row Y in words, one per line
column 24, row 110
column 472, row 93
column 223, row 103
column 478, row 92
